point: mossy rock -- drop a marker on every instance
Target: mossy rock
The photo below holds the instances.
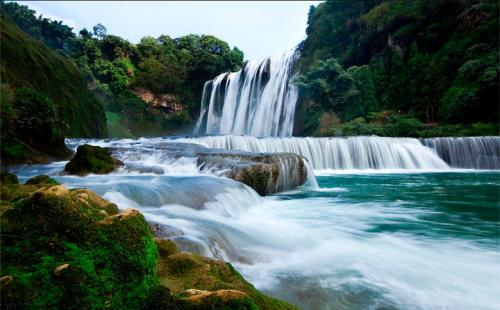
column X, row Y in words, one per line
column 92, row 159
column 185, row 272
column 42, row 180
column 71, row 249
column 166, row 247
column 8, row 178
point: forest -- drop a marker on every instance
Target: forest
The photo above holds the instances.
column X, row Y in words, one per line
column 400, row 68
column 117, row 71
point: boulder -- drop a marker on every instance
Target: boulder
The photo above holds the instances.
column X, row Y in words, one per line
column 41, row 179
column 71, row 249
column 92, row 159
column 265, row 173
column 210, row 282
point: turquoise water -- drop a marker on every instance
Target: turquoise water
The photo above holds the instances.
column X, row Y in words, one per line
column 393, row 241
column 362, row 241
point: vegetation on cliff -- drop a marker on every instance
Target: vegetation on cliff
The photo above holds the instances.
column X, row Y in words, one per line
column 44, row 98
column 116, row 68
column 428, row 63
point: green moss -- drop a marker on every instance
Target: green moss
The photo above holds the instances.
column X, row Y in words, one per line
column 111, row 259
column 42, row 179
column 70, row 249
column 166, row 247
column 183, row 271
column 91, row 159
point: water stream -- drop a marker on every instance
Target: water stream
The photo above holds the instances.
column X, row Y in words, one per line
column 359, row 239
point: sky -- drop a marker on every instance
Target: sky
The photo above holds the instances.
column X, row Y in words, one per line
column 259, row 28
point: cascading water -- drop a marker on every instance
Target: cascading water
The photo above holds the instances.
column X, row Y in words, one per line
column 468, row 152
column 258, row 100
column 337, row 153
column 362, row 241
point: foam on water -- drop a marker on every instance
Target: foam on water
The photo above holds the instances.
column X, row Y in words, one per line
column 358, row 241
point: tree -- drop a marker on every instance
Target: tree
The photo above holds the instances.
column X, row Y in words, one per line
column 100, row 31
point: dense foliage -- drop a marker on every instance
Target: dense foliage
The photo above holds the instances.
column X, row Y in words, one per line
column 432, row 61
column 116, row 68
column 44, row 97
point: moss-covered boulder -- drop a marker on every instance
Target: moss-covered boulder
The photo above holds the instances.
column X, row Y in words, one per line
column 92, row 159
column 42, row 180
column 205, row 281
column 71, row 249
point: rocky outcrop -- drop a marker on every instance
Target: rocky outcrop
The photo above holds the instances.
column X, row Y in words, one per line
column 164, row 102
column 92, row 159
column 203, row 281
column 71, row 249
column 265, row 173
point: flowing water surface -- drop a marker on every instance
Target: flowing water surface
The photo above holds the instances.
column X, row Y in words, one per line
column 407, row 240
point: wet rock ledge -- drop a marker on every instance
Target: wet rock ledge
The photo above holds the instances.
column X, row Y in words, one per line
column 265, row 173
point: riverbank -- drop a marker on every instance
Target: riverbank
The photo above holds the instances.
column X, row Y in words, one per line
column 71, row 249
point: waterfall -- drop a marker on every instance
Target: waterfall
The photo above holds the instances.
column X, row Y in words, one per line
column 468, row 152
column 337, row 153
column 258, row 100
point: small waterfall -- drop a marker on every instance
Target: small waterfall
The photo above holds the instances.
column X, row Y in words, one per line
column 337, row 153
column 291, row 173
column 311, row 178
column 258, row 100
column 468, row 152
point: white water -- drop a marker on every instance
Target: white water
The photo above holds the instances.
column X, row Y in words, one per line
column 258, row 100
column 321, row 249
column 337, row 153
column 468, row 152
column 161, row 156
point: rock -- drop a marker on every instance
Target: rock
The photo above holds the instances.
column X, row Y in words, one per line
column 72, row 247
column 203, row 296
column 206, row 281
column 166, row 247
column 265, row 173
column 92, row 159
column 164, row 102
column 42, row 179
column 60, row 269
column 8, row 178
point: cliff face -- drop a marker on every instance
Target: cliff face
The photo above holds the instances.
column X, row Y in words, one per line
column 164, row 102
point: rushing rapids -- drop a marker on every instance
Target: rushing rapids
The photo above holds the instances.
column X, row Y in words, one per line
column 360, row 241
column 265, row 173
column 468, row 152
column 258, row 100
